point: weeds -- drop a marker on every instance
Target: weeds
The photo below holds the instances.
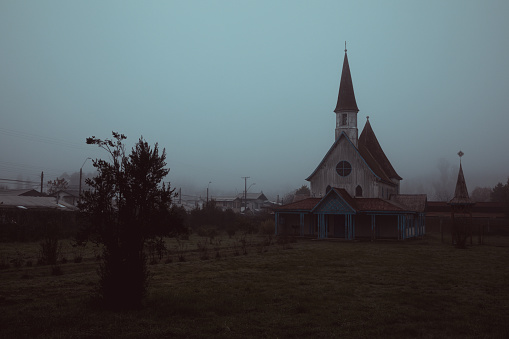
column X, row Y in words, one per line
column 181, row 249
column 203, row 249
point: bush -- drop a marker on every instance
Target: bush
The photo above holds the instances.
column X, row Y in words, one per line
column 49, row 252
column 267, row 227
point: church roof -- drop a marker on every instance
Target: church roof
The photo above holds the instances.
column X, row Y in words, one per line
column 412, row 202
column 301, row 205
column 461, row 193
column 346, row 96
column 372, row 152
column 397, row 203
column 342, row 135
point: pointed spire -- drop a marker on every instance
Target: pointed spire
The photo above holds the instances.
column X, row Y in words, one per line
column 461, row 192
column 346, row 96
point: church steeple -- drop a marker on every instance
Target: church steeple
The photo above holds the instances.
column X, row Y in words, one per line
column 346, row 107
column 461, row 193
column 346, row 96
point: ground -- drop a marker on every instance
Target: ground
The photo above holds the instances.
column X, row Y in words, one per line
column 417, row 288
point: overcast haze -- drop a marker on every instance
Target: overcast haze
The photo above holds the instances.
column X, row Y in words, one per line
column 248, row 88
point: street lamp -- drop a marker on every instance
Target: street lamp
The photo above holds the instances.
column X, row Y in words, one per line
column 210, row 182
column 81, row 174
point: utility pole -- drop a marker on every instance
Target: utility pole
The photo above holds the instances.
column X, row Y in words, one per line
column 81, row 172
column 180, row 195
column 42, row 178
column 245, row 193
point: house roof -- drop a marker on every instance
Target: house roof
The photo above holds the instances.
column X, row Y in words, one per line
column 253, row 196
column 29, row 202
column 346, row 97
column 22, row 192
column 372, row 152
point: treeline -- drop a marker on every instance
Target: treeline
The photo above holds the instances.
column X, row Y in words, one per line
column 212, row 218
column 34, row 225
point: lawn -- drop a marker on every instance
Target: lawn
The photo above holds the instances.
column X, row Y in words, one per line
column 416, row 288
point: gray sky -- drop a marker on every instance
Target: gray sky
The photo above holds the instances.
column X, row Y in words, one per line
column 248, row 88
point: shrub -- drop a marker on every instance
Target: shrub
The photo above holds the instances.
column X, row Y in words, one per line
column 203, row 249
column 49, row 252
column 267, row 227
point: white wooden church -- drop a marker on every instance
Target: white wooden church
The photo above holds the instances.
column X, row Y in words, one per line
column 354, row 189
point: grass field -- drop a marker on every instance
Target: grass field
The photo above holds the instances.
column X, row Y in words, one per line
column 393, row 289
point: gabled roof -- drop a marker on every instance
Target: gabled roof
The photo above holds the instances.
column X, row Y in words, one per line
column 74, row 193
column 253, row 196
column 374, row 155
column 346, row 96
column 342, row 135
column 22, row 192
column 461, row 193
column 337, row 200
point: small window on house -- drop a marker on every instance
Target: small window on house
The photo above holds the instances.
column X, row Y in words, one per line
column 327, row 189
column 358, row 191
column 344, row 119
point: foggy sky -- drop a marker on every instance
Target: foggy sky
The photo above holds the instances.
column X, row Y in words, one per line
column 248, row 88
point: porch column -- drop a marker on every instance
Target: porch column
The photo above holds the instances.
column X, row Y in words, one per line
column 399, row 227
column 373, row 228
column 277, row 222
column 302, row 224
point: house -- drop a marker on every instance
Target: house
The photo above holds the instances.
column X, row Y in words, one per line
column 355, row 190
column 241, row 203
column 68, row 196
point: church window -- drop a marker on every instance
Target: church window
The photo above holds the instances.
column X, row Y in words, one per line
column 344, row 119
column 358, row 191
column 327, row 189
column 343, row 168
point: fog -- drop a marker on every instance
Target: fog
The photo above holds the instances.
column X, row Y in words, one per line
column 234, row 88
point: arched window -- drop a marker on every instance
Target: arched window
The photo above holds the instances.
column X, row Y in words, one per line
column 358, row 191
column 327, row 189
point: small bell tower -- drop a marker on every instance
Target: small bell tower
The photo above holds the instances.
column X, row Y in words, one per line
column 346, row 108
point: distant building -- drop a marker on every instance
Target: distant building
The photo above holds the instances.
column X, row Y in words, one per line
column 354, row 189
column 68, row 196
column 253, row 202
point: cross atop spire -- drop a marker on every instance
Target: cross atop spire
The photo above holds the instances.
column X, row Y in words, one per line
column 345, row 46
column 460, row 153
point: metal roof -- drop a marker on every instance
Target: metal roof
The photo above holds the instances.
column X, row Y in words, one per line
column 28, row 202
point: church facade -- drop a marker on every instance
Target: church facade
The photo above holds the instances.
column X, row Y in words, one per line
column 355, row 191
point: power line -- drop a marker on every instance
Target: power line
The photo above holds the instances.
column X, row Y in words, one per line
column 41, row 138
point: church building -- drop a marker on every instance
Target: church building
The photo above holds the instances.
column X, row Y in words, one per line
column 355, row 190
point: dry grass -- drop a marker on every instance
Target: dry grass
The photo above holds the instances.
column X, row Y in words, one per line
column 418, row 288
